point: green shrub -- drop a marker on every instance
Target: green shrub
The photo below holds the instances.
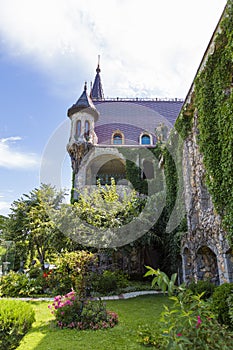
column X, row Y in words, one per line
column 34, row 271
column 73, row 271
column 230, row 305
column 16, row 318
column 181, row 330
column 152, row 337
column 220, row 305
column 71, row 312
column 108, row 282
column 200, row 287
column 17, row 284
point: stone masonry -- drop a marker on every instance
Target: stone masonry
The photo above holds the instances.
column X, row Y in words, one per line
column 205, row 250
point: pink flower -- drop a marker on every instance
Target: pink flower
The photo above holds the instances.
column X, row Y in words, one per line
column 179, row 334
column 199, row 321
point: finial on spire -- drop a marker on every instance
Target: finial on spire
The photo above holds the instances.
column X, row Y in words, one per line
column 85, row 86
column 97, row 90
column 98, row 66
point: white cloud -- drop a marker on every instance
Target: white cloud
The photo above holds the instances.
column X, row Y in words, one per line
column 12, row 138
column 11, row 158
column 157, row 45
column 4, row 207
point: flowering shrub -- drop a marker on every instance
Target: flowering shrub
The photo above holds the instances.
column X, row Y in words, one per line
column 71, row 312
column 187, row 333
column 45, row 279
column 188, row 324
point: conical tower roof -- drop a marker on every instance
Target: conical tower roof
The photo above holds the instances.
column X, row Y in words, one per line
column 84, row 103
column 97, row 89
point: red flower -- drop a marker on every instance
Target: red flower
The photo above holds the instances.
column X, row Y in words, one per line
column 179, row 334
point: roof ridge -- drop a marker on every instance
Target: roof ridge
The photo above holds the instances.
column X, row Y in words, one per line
column 135, row 99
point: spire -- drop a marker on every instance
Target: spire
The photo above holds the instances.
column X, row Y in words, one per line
column 84, row 103
column 97, row 90
column 98, row 67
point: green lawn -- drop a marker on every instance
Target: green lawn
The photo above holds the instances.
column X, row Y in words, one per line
column 132, row 313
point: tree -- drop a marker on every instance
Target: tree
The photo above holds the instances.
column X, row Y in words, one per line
column 102, row 217
column 31, row 226
column 3, row 225
column 6, row 247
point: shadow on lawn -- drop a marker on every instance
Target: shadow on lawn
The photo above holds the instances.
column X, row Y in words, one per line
column 132, row 313
column 117, row 338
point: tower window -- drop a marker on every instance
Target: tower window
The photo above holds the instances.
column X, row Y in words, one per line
column 87, row 128
column 145, row 139
column 117, row 139
column 78, row 128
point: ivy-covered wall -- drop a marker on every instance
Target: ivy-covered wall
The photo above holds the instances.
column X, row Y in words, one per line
column 165, row 171
column 212, row 99
column 214, row 103
column 206, row 126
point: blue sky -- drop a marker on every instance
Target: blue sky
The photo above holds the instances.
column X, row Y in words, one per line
column 48, row 48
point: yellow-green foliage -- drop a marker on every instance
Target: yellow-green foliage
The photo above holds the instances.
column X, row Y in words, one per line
column 16, row 318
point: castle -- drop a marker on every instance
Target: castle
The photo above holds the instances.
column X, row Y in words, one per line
column 102, row 128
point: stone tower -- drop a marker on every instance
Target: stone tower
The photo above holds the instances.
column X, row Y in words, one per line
column 83, row 116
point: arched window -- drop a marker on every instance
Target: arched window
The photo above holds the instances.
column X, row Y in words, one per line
column 87, row 128
column 145, row 139
column 117, row 138
column 78, row 128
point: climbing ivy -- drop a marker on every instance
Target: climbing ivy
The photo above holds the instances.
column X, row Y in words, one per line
column 214, row 103
column 133, row 174
column 169, row 243
column 184, row 122
column 174, row 214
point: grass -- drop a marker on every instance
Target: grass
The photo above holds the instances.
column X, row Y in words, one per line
column 132, row 313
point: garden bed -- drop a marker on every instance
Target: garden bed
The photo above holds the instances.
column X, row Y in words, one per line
column 132, row 313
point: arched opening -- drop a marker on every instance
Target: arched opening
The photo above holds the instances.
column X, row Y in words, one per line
column 186, row 265
column 145, row 139
column 180, row 277
column 207, row 266
column 148, row 170
column 113, row 168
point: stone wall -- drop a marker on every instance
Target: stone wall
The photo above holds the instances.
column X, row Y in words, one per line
column 205, row 250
